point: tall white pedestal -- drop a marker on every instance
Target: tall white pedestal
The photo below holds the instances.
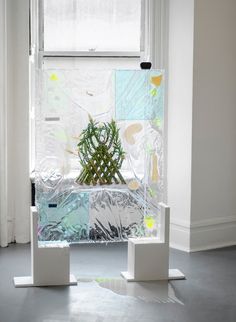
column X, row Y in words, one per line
column 148, row 258
column 50, row 261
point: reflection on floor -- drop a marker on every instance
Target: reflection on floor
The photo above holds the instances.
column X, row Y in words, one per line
column 158, row 292
column 208, row 294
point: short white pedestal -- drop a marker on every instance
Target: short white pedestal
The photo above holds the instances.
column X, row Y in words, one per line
column 148, row 258
column 50, row 261
column 27, row 281
column 174, row 274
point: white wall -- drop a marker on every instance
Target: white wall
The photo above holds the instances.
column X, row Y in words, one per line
column 213, row 215
column 19, row 83
column 14, row 27
column 181, row 19
column 3, row 129
column 202, row 116
column 201, row 122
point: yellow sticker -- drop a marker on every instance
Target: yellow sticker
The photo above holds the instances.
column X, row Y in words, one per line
column 149, row 222
column 54, row 77
column 153, row 92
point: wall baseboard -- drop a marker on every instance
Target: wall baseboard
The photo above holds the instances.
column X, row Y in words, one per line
column 203, row 235
column 179, row 236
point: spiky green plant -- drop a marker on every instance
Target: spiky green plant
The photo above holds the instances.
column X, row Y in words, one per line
column 101, row 154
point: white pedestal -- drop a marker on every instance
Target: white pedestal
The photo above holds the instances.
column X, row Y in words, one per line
column 148, row 258
column 27, row 281
column 50, row 261
column 174, row 274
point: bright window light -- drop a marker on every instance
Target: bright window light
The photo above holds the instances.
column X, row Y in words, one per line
column 92, row 25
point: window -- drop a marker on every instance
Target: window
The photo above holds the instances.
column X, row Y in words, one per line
column 79, row 33
column 93, row 34
column 92, row 25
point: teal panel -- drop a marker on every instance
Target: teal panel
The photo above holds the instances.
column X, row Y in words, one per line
column 64, row 217
column 139, row 95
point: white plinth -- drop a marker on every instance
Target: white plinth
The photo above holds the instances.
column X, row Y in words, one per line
column 27, row 281
column 148, row 258
column 51, row 265
column 50, row 261
column 174, row 274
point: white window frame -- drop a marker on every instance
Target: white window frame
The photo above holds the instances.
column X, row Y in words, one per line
column 88, row 54
column 153, row 34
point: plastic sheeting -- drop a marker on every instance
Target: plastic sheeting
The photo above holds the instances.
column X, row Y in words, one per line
column 94, row 213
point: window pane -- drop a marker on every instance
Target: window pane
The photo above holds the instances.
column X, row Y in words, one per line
column 92, row 25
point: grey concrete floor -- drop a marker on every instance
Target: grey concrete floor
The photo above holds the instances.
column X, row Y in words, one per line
column 208, row 294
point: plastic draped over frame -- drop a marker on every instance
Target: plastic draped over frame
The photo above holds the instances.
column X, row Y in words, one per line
column 99, row 154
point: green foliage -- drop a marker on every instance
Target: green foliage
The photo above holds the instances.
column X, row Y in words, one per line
column 101, row 154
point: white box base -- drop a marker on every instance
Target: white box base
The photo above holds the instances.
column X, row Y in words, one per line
column 174, row 274
column 27, row 281
column 50, row 261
